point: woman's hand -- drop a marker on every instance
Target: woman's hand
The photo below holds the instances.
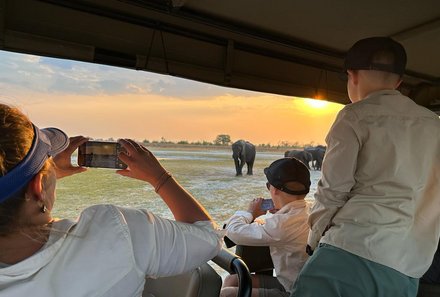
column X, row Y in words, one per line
column 63, row 162
column 142, row 164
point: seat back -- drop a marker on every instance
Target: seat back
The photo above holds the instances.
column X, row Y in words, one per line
column 201, row 282
column 428, row 290
column 257, row 258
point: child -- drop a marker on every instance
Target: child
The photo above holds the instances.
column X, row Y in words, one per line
column 378, row 197
column 285, row 231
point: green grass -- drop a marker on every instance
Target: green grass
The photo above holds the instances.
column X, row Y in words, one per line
column 207, row 174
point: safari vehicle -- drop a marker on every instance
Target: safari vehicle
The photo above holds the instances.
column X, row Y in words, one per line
column 293, row 48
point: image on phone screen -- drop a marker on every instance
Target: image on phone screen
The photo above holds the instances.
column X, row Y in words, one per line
column 101, row 154
column 267, row 204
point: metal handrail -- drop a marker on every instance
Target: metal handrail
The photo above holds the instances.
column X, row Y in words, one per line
column 235, row 265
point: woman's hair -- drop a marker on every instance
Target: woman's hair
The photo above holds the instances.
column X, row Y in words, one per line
column 17, row 133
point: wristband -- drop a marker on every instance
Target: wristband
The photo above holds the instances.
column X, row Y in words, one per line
column 162, row 180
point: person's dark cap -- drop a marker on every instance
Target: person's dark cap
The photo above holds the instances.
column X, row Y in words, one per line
column 287, row 170
column 46, row 143
column 361, row 55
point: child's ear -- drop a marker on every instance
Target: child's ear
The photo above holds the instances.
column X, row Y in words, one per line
column 35, row 187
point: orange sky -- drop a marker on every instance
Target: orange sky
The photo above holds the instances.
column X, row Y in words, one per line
column 102, row 102
column 260, row 119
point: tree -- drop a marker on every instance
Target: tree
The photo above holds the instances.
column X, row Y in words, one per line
column 222, row 139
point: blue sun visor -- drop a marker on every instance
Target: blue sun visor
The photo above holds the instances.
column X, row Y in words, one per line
column 47, row 143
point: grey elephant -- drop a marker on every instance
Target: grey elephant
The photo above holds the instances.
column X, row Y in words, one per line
column 243, row 152
column 303, row 156
column 318, row 153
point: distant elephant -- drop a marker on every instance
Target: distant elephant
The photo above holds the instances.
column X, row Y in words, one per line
column 303, row 156
column 243, row 152
column 318, row 153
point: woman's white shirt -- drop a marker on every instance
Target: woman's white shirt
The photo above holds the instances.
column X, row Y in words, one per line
column 108, row 252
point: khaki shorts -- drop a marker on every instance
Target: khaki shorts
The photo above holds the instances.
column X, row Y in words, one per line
column 270, row 287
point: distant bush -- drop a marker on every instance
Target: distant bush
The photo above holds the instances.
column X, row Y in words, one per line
column 224, row 140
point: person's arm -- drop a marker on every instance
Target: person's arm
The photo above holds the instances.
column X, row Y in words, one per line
column 338, row 171
column 143, row 165
column 241, row 229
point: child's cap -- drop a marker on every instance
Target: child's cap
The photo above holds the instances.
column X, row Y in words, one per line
column 360, row 55
column 287, row 170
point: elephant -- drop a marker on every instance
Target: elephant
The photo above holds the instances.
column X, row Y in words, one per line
column 303, row 156
column 318, row 153
column 243, row 152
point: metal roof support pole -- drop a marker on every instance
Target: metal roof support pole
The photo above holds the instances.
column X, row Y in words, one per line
column 416, row 30
column 2, row 22
column 164, row 51
column 229, row 61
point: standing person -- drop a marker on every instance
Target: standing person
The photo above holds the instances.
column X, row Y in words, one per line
column 379, row 194
column 285, row 231
column 109, row 250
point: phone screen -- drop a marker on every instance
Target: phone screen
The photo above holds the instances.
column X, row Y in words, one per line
column 100, row 154
column 267, row 204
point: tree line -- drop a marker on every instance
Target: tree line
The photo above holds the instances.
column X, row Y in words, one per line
column 221, row 140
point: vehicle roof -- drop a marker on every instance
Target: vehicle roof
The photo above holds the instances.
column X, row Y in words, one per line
column 286, row 47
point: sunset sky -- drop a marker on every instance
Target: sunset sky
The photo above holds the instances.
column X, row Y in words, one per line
column 102, row 102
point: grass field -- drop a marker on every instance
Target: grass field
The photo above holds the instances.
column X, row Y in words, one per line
column 209, row 174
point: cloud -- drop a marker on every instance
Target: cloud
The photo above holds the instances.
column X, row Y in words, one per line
column 184, row 88
column 50, row 75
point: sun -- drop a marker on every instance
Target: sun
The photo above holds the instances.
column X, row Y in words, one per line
column 316, row 103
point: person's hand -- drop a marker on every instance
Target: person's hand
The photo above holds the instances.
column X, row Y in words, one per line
column 255, row 207
column 63, row 164
column 142, row 164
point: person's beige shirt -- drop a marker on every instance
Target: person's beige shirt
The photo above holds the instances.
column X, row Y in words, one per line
column 380, row 185
column 285, row 232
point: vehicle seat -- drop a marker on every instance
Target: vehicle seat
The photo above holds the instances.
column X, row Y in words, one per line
column 201, row 282
column 257, row 258
column 428, row 290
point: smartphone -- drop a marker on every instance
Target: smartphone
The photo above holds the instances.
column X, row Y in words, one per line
column 103, row 154
column 267, row 204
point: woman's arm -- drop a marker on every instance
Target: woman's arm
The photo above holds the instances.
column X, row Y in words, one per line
column 143, row 165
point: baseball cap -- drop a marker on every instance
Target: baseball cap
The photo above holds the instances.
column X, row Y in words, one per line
column 361, row 55
column 47, row 143
column 287, row 170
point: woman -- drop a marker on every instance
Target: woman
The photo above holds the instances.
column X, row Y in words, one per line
column 109, row 250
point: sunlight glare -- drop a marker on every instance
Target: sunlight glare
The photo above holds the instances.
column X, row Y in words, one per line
column 316, row 103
